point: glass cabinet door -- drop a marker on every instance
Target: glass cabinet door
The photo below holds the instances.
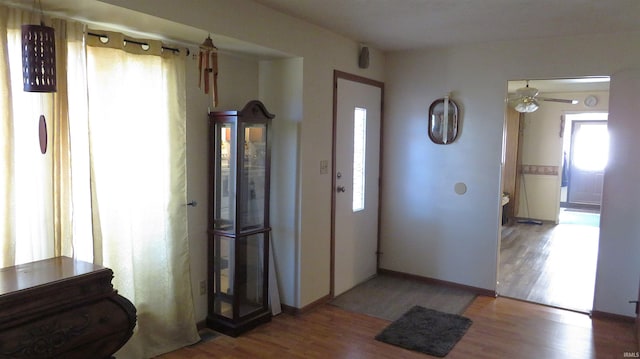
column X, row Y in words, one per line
column 225, row 181
column 224, row 275
column 240, row 260
column 251, row 286
column 251, row 199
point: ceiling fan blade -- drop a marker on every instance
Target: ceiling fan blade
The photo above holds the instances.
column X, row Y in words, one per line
column 561, row 100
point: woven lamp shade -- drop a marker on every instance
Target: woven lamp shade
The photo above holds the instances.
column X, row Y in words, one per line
column 38, row 58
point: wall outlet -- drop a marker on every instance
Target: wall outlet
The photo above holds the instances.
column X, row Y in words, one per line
column 203, row 287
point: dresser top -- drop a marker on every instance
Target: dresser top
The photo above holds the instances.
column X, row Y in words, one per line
column 45, row 272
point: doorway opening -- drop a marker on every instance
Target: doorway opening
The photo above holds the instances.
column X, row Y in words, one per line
column 549, row 238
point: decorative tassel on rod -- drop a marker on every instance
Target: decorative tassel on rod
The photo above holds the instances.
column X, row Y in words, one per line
column 208, row 68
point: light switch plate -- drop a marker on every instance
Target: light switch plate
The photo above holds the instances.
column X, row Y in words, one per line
column 324, row 167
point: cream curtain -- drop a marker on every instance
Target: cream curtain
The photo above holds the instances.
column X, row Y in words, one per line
column 80, row 169
column 137, row 151
column 60, row 144
column 35, row 214
column 7, row 153
column 111, row 189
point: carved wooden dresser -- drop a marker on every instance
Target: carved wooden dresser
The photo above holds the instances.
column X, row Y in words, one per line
column 62, row 308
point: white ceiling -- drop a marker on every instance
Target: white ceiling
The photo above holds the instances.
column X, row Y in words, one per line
column 409, row 24
column 392, row 25
column 395, row 24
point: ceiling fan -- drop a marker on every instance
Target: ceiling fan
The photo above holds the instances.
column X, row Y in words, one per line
column 526, row 99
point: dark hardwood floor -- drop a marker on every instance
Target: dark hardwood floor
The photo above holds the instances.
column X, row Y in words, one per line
column 550, row 264
column 502, row 328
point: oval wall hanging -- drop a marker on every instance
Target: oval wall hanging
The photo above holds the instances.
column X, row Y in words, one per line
column 42, row 129
column 443, row 121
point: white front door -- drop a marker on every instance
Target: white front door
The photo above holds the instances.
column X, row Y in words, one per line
column 356, row 171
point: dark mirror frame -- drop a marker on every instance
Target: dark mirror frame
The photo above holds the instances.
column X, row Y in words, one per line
column 443, row 131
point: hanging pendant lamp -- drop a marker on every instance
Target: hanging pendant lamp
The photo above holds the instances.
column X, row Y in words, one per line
column 38, row 58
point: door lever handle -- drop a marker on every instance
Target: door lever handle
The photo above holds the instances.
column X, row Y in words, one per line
column 340, row 189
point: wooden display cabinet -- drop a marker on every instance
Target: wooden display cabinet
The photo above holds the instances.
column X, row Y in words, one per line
column 238, row 234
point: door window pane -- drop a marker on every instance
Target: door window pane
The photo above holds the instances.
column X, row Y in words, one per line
column 591, row 147
column 359, row 148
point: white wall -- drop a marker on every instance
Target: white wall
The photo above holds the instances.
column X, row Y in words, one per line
column 430, row 231
column 322, row 51
column 281, row 92
column 542, row 146
column 619, row 249
column 539, row 197
column 427, row 229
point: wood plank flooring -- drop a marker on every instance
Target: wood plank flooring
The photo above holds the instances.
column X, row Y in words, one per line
column 549, row 264
column 502, row 328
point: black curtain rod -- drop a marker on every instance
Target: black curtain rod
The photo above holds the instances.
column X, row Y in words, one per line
column 138, row 42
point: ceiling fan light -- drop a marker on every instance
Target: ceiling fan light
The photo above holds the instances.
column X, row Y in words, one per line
column 527, row 105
